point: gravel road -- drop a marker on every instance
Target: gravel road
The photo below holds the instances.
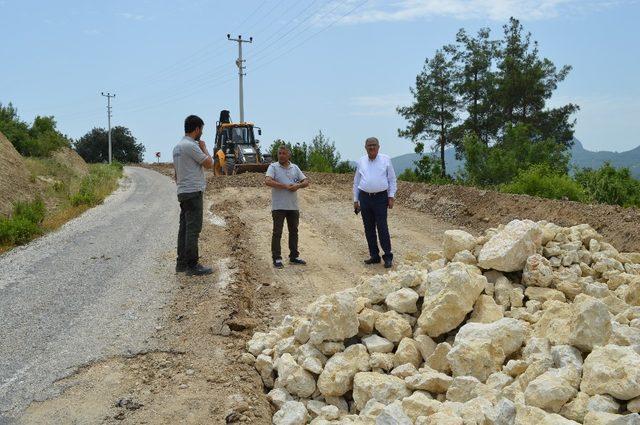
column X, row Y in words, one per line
column 94, row 288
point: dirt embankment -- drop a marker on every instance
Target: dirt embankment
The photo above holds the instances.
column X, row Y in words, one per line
column 71, row 159
column 24, row 179
column 15, row 181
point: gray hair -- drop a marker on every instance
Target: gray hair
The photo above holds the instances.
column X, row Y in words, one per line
column 371, row 140
column 285, row 147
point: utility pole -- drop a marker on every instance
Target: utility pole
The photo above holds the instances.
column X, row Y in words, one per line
column 109, row 96
column 240, row 65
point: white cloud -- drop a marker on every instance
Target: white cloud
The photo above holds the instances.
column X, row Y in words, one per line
column 91, row 31
column 135, row 17
column 496, row 10
column 380, row 105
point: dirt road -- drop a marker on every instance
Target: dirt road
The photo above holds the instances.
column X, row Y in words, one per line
column 196, row 375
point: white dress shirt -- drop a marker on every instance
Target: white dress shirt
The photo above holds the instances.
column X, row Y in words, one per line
column 374, row 175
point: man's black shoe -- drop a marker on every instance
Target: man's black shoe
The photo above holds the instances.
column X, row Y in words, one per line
column 198, row 270
column 277, row 263
column 180, row 268
column 297, row 261
column 372, row 261
column 388, row 264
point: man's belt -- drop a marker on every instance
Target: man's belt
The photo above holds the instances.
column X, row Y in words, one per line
column 374, row 193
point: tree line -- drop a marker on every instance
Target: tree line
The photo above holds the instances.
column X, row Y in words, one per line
column 318, row 155
column 488, row 98
column 42, row 137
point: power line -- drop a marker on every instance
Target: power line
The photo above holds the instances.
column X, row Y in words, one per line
column 313, row 35
column 206, row 80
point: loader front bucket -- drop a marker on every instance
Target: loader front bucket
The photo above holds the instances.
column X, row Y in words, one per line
column 250, row 168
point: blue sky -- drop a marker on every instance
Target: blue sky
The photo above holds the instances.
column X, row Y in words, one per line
column 337, row 66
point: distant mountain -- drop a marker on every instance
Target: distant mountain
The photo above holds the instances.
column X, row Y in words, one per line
column 580, row 157
column 585, row 158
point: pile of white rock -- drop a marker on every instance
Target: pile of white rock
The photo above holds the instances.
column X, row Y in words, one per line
column 530, row 323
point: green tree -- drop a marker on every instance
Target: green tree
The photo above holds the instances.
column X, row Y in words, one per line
column 45, row 138
column 16, row 130
column 610, row 185
column 344, row 167
column 299, row 152
column 434, row 111
column 427, row 170
column 475, row 84
column 524, row 82
column 39, row 139
column 94, row 146
column 323, row 155
column 519, row 149
column 541, row 180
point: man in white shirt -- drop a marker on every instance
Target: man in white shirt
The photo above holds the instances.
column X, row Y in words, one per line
column 374, row 189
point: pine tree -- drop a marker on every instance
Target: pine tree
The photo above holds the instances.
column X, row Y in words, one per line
column 434, row 112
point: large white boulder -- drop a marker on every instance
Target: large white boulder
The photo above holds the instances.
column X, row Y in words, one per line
column 291, row 413
column 383, row 388
column 337, row 376
column 455, row 241
column 291, row 376
column 612, row 370
column 509, row 249
column 444, row 310
column 591, row 323
column 333, row 317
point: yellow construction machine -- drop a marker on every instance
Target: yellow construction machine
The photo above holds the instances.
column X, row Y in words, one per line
column 237, row 150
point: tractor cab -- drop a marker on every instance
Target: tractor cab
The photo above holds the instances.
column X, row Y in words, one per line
column 237, row 150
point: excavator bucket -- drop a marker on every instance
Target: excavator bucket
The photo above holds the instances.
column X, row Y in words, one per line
column 250, row 168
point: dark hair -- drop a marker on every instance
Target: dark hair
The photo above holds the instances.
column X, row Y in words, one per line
column 192, row 122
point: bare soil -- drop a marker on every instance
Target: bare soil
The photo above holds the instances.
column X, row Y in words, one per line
column 15, row 182
column 71, row 158
column 196, row 375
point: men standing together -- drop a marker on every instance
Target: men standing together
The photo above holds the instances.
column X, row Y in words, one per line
column 285, row 178
column 374, row 189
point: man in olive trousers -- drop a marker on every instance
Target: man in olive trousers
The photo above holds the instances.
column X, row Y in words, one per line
column 190, row 158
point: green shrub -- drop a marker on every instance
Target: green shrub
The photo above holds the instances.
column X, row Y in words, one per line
column 33, row 211
column 17, row 230
column 541, row 180
column 96, row 185
column 427, row 170
column 117, row 165
column 610, row 185
column 23, row 224
column 519, row 148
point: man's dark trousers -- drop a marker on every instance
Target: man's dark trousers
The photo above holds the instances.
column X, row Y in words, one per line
column 374, row 216
column 292, row 217
column 190, row 227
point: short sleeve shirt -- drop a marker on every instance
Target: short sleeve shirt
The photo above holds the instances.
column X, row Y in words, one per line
column 283, row 199
column 188, row 159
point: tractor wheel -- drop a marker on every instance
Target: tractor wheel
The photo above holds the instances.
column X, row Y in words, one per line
column 230, row 166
